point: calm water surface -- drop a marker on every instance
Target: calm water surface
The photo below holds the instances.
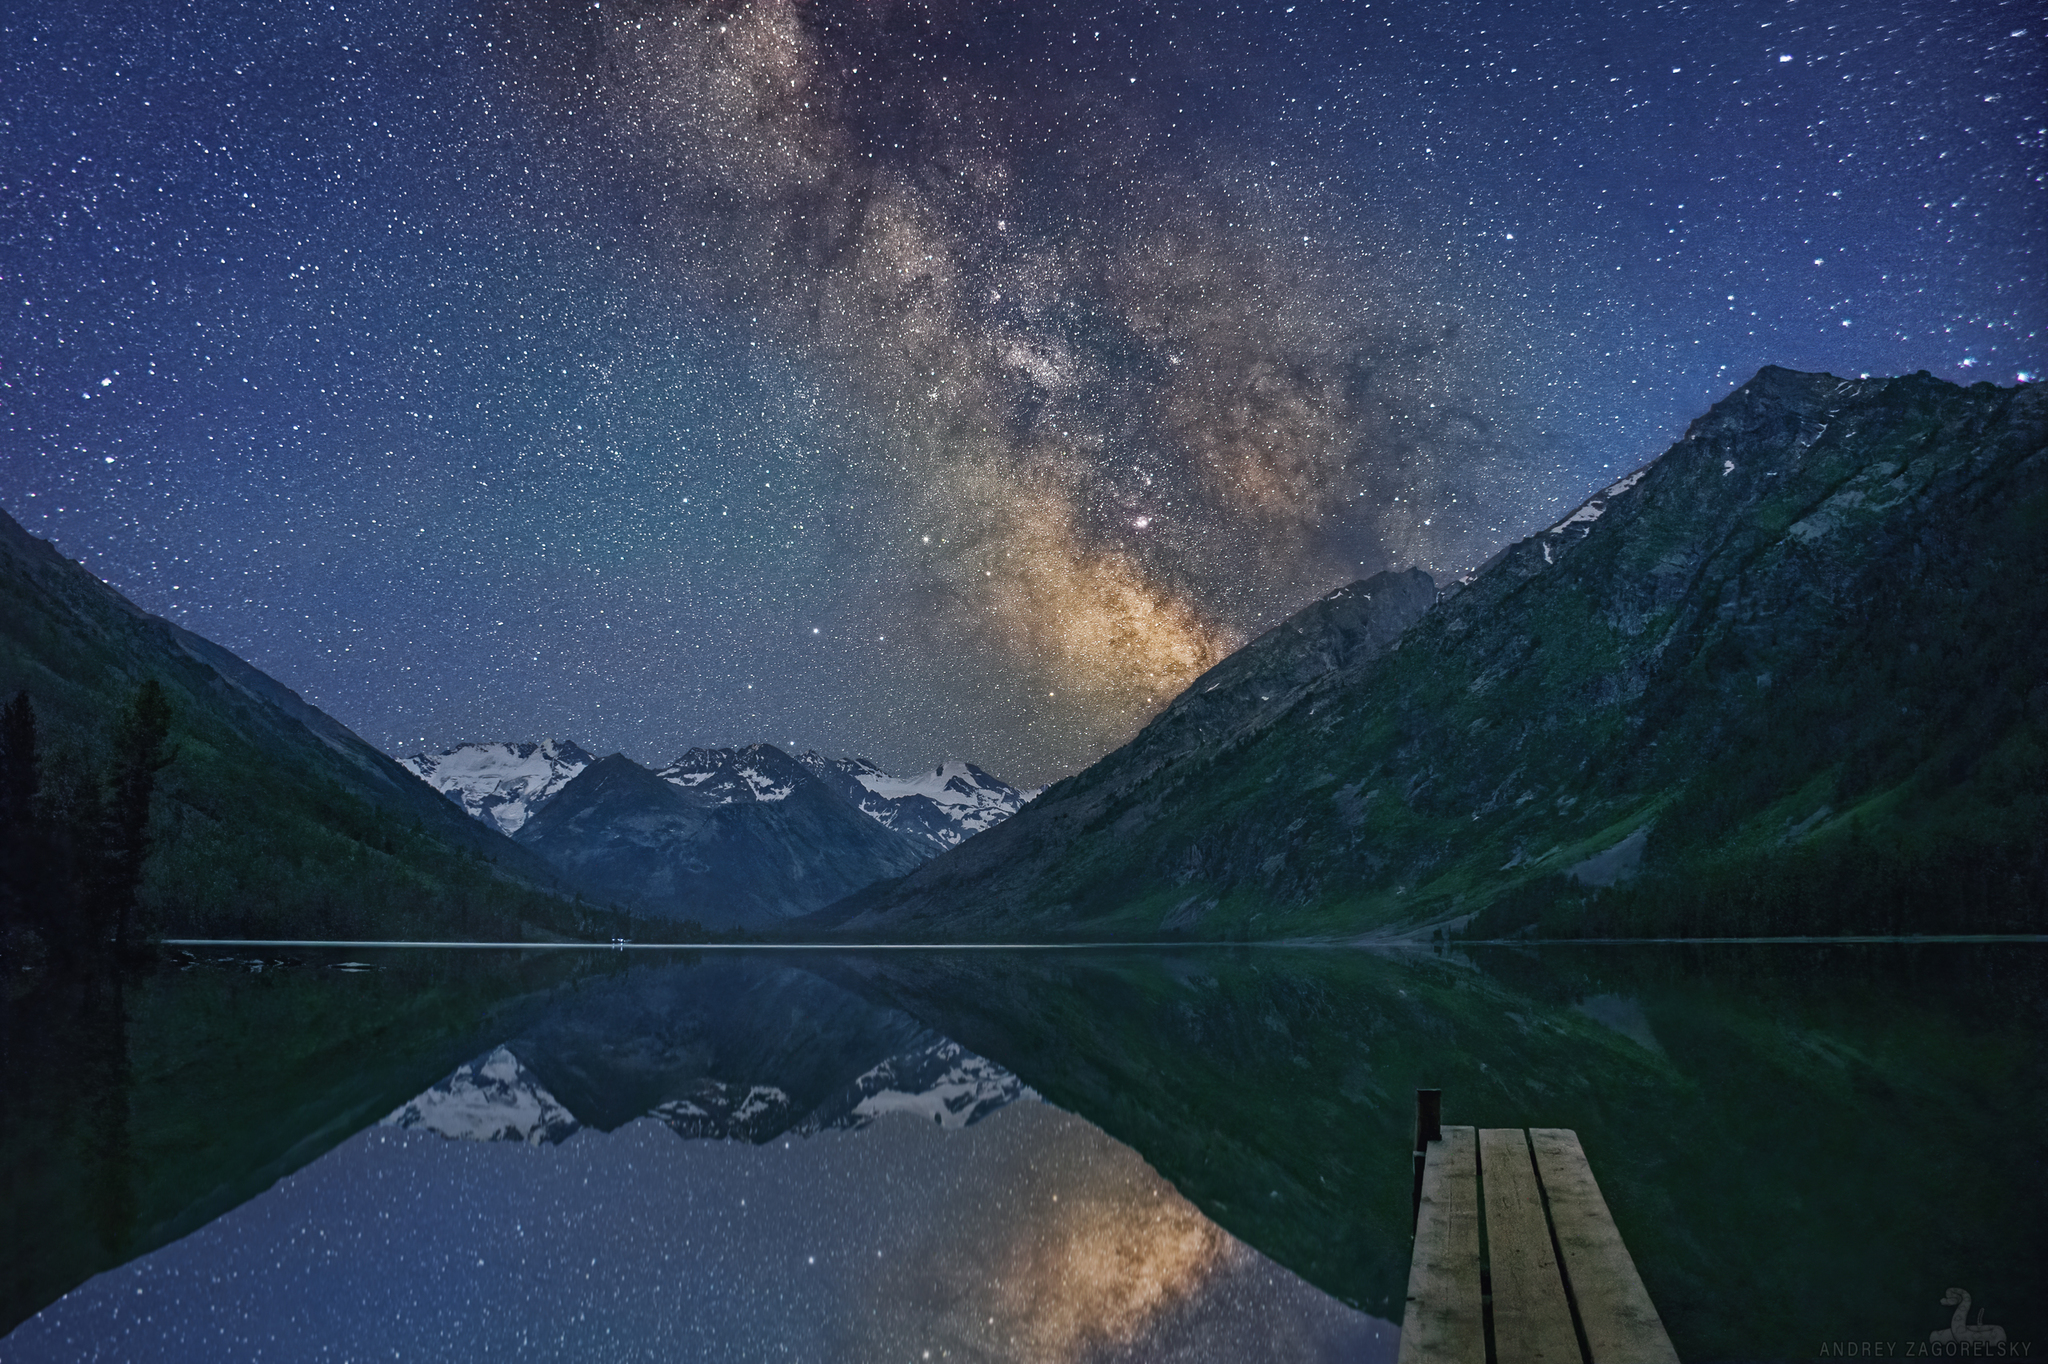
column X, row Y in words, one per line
column 1043, row 1156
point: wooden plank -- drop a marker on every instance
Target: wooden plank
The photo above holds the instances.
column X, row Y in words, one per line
column 1443, row 1323
column 1532, row 1319
column 1621, row 1324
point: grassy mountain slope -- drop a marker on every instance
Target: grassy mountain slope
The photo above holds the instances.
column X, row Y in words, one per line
column 274, row 818
column 1786, row 678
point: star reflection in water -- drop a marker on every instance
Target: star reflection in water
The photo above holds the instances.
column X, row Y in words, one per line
column 1030, row 1235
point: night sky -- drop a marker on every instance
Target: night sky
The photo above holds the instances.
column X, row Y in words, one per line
column 926, row 380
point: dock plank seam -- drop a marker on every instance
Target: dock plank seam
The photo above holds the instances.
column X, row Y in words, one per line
column 1517, row 1259
column 1619, row 1321
column 1532, row 1321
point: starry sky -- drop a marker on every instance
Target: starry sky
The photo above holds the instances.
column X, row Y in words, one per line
column 916, row 380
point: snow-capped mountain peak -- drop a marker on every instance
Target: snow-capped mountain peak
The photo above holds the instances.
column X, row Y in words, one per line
column 502, row 784
column 720, row 1111
column 493, row 1098
column 944, row 1082
column 944, row 805
column 505, row 784
column 496, row 1098
column 753, row 772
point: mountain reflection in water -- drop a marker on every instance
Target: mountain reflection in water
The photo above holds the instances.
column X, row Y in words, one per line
column 849, row 1186
column 1801, row 1144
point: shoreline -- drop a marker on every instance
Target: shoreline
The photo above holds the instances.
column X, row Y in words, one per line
column 1409, row 944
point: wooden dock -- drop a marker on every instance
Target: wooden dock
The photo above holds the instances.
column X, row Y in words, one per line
column 1515, row 1249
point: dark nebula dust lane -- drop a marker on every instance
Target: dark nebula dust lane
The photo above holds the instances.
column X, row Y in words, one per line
column 927, row 379
column 1125, row 396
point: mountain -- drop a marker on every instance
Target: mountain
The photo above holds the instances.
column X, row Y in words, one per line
column 754, row 772
column 942, row 1081
column 273, row 819
column 501, row 784
column 736, row 1049
column 493, row 1098
column 659, row 847
column 952, row 802
column 1785, row 678
column 506, row 784
column 496, row 1098
column 1316, row 651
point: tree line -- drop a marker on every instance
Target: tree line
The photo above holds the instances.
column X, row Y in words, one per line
column 75, row 829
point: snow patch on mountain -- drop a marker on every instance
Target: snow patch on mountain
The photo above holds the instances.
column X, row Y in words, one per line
column 951, row 802
column 718, row 1111
column 944, row 1083
column 1585, row 514
column 945, row 805
column 755, row 772
column 496, row 1098
column 954, row 784
column 493, row 1098
column 505, row 784
column 501, row 784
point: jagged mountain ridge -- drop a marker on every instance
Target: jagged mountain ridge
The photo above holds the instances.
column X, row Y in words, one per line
column 501, row 784
column 275, row 819
column 492, row 1098
column 731, row 1049
column 497, row 1098
column 1819, row 613
column 751, row 772
column 624, row 834
column 952, row 802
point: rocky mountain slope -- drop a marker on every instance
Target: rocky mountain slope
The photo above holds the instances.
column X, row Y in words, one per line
column 274, row 819
column 501, row 784
column 660, row 847
column 1785, row 678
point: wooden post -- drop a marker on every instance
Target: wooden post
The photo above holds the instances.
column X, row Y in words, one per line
column 1429, row 1114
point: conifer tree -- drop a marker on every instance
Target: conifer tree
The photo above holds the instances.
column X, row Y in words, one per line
column 137, row 756
column 68, row 830
column 23, row 857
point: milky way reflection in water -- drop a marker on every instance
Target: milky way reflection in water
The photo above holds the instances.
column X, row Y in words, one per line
column 928, row 1206
column 1800, row 1143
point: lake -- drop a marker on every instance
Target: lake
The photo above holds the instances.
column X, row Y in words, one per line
column 1195, row 1154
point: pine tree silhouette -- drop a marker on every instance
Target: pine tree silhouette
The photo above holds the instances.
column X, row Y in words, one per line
column 24, row 854
column 138, row 755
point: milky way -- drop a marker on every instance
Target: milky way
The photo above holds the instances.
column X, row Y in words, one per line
column 1126, row 399
column 935, row 379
